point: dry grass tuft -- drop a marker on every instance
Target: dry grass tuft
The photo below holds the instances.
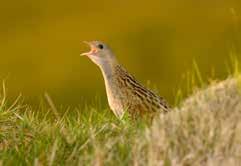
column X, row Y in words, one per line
column 205, row 130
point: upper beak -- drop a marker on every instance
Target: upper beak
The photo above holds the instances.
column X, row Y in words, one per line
column 90, row 52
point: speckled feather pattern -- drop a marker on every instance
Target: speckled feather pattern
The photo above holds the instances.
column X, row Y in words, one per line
column 128, row 94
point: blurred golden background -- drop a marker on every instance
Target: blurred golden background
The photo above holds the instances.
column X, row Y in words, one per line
column 155, row 40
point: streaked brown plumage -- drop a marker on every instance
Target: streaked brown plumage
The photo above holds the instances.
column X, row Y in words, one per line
column 123, row 91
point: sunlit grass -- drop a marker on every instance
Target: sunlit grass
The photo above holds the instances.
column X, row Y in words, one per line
column 204, row 130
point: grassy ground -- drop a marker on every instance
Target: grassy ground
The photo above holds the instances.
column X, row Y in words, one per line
column 204, row 130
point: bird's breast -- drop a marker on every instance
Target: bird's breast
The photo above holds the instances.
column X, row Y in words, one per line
column 116, row 98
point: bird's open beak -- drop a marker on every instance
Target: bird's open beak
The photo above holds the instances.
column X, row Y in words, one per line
column 92, row 49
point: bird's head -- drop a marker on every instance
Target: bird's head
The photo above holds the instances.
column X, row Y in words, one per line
column 99, row 53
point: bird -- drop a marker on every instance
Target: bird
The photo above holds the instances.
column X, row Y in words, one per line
column 124, row 92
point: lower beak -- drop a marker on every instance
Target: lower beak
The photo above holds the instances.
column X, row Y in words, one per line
column 85, row 53
column 90, row 52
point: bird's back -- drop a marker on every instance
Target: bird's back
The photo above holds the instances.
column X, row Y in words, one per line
column 125, row 93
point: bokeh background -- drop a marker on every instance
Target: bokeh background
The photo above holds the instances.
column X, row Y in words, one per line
column 156, row 40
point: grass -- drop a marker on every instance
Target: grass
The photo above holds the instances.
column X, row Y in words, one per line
column 204, row 130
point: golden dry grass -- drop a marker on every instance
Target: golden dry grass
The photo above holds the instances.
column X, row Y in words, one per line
column 205, row 130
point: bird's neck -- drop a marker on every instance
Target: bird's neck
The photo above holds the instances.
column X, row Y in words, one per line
column 108, row 69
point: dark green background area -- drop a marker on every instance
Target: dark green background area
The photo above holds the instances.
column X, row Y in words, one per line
column 156, row 40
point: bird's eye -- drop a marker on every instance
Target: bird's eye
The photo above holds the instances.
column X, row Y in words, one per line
column 100, row 46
